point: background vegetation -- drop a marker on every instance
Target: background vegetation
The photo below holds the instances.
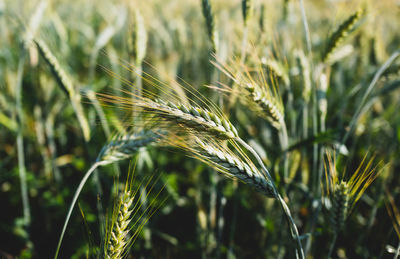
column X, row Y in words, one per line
column 335, row 70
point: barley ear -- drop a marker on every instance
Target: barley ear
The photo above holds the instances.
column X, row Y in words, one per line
column 66, row 85
column 119, row 234
column 210, row 24
column 124, row 146
column 340, row 34
column 246, row 10
column 340, row 204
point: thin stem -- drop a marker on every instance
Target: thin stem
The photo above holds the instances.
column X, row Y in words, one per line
column 282, row 203
column 20, row 143
column 305, row 25
column 396, row 255
column 71, row 207
column 284, row 145
column 332, row 245
column 244, row 45
column 358, row 113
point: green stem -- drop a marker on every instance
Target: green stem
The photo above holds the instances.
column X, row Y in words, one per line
column 74, row 199
column 396, row 255
column 20, row 143
column 332, row 245
column 305, row 25
column 282, row 203
column 377, row 75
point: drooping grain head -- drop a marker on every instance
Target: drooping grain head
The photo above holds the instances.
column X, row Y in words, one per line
column 180, row 117
column 226, row 158
column 254, row 91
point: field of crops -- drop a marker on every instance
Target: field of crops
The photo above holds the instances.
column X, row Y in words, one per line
column 200, row 129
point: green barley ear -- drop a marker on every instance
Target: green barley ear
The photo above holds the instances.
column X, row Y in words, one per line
column 119, row 233
column 340, row 203
column 277, row 69
column 344, row 194
column 180, row 117
column 124, row 146
column 66, row 84
column 210, row 24
column 255, row 91
column 246, row 10
column 340, row 34
column 129, row 216
column 234, row 166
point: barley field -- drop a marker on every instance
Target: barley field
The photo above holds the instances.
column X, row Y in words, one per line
column 200, row 129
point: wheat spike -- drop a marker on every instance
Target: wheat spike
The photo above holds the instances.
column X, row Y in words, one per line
column 345, row 194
